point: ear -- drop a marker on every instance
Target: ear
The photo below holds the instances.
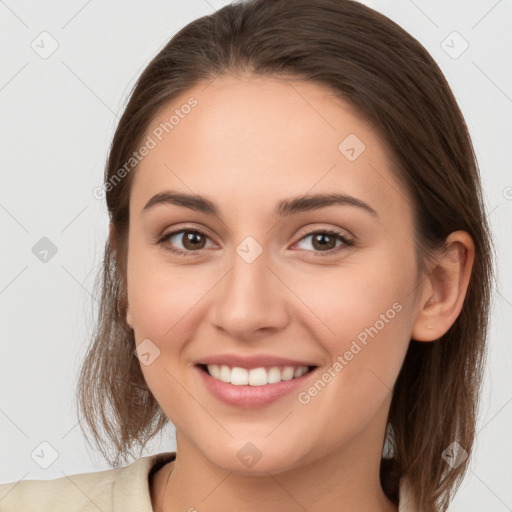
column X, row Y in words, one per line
column 112, row 241
column 129, row 318
column 445, row 288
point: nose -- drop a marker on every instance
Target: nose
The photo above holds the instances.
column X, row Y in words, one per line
column 251, row 300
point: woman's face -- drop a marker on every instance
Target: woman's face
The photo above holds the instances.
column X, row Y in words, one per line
column 270, row 281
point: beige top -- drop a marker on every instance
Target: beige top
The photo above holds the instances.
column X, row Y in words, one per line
column 124, row 489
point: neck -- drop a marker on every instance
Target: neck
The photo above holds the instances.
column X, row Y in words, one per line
column 341, row 480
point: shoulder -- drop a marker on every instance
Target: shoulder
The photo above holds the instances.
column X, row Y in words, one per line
column 59, row 493
column 120, row 489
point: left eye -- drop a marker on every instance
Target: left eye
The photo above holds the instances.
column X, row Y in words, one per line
column 194, row 241
column 326, row 239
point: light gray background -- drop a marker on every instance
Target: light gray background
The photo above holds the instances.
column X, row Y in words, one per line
column 57, row 119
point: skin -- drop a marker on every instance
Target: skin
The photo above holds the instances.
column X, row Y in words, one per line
column 250, row 142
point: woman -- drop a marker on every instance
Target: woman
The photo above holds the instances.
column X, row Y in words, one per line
column 317, row 338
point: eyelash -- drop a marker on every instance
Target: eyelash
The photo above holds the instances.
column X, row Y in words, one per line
column 347, row 243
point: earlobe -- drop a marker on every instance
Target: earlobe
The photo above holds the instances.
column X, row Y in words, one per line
column 443, row 299
column 128, row 315
column 124, row 300
column 129, row 318
column 423, row 329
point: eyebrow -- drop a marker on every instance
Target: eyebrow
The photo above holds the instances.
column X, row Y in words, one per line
column 284, row 208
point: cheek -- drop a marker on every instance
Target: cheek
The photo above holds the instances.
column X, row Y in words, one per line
column 159, row 294
column 361, row 317
column 165, row 303
column 366, row 353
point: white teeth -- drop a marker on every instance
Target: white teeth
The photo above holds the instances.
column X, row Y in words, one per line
column 256, row 376
column 239, row 377
column 274, row 375
column 225, row 374
column 288, row 373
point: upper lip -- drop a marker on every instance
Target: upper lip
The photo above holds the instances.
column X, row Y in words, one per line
column 254, row 361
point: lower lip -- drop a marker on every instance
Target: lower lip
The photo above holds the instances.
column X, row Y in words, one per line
column 250, row 396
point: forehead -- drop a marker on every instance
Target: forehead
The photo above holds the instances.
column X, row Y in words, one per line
column 248, row 139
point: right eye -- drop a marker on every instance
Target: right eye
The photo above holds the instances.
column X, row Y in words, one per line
column 192, row 240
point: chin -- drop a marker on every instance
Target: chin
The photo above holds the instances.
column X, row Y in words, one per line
column 253, row 458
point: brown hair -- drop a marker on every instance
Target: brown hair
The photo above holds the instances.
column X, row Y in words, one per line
column 394, row 83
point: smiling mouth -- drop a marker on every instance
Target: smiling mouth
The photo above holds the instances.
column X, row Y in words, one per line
column 261, row 376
